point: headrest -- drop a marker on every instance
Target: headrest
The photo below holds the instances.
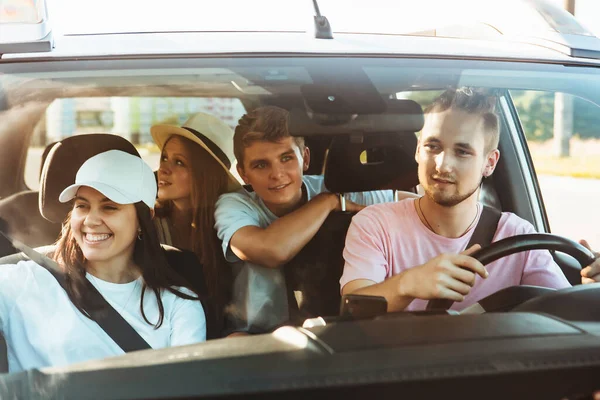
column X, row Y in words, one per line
column 371, row 162
column 45, row 156
column 400, row 116
column 63, row 162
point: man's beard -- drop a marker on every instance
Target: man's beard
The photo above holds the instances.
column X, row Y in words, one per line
column 439, row 198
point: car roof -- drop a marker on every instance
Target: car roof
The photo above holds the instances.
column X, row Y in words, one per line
column 180, row 43
column 526, row 30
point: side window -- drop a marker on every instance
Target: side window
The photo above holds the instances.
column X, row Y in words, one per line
column 130, row 117
column 563, row 135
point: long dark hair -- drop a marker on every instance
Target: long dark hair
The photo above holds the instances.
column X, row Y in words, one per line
column 209, row 181
column 147, row 255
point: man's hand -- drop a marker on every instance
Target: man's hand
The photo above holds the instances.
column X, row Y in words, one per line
column 591, row 273
column 447, row 276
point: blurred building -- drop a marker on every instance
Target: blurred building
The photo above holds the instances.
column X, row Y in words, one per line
column 130, row 117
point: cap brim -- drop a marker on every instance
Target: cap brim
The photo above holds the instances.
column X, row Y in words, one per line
column 111, row 193
column 162, row 133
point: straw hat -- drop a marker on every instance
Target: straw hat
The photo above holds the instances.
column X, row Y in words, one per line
column 211, row 133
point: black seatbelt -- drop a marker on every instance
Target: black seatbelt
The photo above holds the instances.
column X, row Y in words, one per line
column 103, row 313
column 486, row 227
column 483, row 235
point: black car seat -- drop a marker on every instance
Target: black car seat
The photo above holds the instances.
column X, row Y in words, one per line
column 313, row 275
column 318, row 148
column 23, row 220
column 62, row 163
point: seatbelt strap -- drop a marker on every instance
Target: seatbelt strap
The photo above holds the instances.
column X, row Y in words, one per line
column 486, row 227
column 103, row 313
column 483, row 235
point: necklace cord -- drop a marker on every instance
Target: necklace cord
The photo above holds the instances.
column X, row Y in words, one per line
column 433, row 230
column 130, row 294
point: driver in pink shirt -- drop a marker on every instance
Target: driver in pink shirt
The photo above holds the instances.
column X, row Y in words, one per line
column 413, row 251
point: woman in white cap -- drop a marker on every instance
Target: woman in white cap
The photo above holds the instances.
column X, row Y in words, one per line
column 108, row 241
column 194, row 171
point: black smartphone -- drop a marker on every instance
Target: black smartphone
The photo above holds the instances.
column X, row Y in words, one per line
column 360, row 306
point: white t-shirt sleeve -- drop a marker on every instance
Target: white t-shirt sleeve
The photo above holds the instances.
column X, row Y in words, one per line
column 364, row 253
column 188, row 322
column 13, row 279
column 233, row 212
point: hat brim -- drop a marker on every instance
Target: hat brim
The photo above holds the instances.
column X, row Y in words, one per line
column 110, row 192
column 162, row 133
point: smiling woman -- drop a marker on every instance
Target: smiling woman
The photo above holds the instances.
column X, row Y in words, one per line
column 108, row 245
column 105, row 231
column 194, row 171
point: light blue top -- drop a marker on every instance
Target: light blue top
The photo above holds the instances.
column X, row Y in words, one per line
column 259, row 296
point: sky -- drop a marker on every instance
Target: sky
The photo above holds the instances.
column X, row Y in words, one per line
column 374, row 16
column 383, row 15
column 587, row 12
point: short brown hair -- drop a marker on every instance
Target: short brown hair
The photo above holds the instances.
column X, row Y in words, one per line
column 268, row 124
column 473, row 102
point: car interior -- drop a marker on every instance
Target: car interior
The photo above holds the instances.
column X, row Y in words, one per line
column 365, row 140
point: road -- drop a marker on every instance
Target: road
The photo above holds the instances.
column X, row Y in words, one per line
column 571, row 207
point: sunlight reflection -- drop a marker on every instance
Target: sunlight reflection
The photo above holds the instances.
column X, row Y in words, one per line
column 291, row 336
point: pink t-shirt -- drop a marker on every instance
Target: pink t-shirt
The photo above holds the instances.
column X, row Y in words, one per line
column 386, row 239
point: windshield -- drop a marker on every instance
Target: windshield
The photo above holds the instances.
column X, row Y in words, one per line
column 359, row 131
column 128, row 101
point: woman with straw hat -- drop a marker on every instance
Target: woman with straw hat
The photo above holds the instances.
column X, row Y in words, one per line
column 194, row 171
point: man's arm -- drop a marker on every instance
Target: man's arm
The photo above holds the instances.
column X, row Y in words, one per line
column 278, row 243
column 380, row 196
column 388, row 289
column 447, row 276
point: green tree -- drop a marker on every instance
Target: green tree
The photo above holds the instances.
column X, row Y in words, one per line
column 586, row 119
column 536, row 112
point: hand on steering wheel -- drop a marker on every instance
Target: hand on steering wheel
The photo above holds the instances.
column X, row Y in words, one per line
column 516, row 244
column 591, row 273
column 448, row 276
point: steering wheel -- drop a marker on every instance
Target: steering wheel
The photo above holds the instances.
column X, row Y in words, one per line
column 518, row 243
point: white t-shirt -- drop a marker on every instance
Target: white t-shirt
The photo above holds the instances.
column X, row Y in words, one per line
column 43, row 328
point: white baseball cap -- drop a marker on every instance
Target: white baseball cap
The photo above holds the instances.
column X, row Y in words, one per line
column 120, row 176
